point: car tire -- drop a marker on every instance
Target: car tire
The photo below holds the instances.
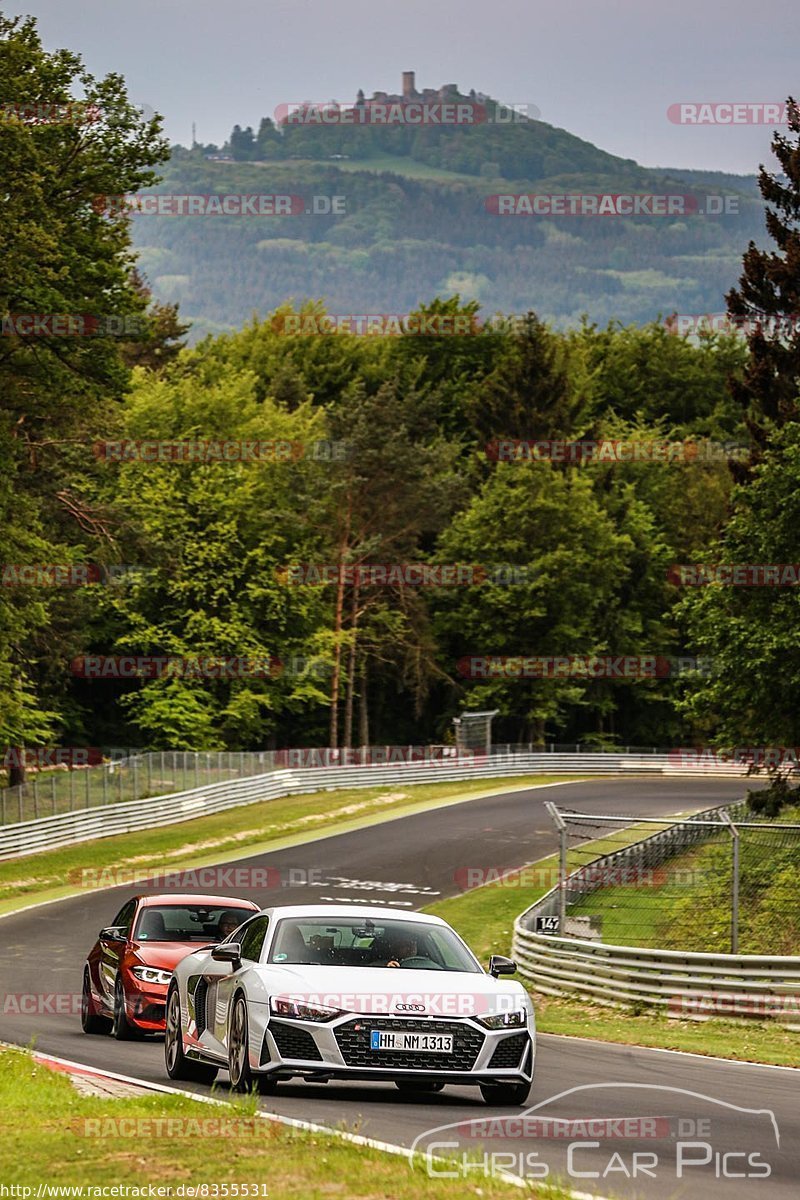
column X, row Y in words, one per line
column 121, row 1028
column 242, row 1079
column 91, row 1022
column 424, row 1085
column 501, row 1094
column 177, row 1064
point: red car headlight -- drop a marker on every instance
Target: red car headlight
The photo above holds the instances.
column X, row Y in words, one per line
column 152, row 975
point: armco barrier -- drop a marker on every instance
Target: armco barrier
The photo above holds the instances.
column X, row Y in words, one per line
column 684, row 983
column 27, row 837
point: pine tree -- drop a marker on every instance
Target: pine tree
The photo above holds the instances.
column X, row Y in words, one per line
column 768, row 298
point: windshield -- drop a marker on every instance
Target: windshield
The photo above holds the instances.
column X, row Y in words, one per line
column 364, row 943
column 188, row 922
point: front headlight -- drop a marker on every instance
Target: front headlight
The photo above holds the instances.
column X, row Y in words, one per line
column 505, row 1020
column 152, row 975
column 281, row 1007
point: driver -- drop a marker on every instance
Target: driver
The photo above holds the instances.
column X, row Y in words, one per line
column 404, row 947
column 227, row 923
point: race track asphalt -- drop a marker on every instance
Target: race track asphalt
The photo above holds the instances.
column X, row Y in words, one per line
column 738, row 1117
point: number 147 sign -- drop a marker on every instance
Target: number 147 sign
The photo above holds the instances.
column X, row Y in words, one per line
column 547, row 924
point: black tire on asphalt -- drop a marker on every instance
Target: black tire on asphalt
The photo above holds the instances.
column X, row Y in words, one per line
column 242, row 1079
column 91, row 1022
column 121, row 1027
column 177, row 1064
column 505, row 1093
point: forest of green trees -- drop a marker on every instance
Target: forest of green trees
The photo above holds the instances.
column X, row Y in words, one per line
column 387, row 463
column 405, row 237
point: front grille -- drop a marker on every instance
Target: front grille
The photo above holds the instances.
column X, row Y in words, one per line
column 200, row 997
column 353, row 1040
column 509, row 1051
column 293, row 1042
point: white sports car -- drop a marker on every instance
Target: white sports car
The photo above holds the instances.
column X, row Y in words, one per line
column 326, row 991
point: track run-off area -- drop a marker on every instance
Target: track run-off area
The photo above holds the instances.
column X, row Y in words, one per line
column 706, row 1127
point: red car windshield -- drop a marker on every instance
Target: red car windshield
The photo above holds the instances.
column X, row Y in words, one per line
column 187, row 922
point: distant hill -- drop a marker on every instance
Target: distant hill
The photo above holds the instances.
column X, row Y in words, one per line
column 419, row 222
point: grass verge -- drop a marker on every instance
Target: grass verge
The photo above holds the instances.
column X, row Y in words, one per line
column 485, row 919
column 224, row 837
column 51, row 1135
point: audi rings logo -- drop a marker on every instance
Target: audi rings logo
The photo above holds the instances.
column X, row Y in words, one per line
column 410, row 1007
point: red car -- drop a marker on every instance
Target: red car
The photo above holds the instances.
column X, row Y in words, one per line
column 129, row 967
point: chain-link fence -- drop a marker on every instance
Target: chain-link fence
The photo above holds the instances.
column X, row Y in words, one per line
column 718, row 882
column 130, row 776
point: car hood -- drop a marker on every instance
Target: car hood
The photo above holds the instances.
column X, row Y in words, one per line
column 164, row 955
column 394, row 991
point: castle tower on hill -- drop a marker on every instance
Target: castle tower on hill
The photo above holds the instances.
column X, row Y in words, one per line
column 448, row 91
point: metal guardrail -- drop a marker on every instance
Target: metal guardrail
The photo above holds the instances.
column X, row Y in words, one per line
column 63, row 780
column 684, row 983
column 78, row 825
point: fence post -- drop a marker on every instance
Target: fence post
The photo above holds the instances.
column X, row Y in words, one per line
column 561, row 826
column 89, row 786
column 35, row 797
column 105, row 783
column 53, row 791
column 71, row 790
column 734, row 882
column 149, row 772
column 135, row 778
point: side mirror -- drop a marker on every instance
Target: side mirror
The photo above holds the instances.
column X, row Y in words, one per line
column 229, row 952
column 500, row 965
column 113, row 933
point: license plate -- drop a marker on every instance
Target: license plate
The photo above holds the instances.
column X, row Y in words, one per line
column 433, row 1043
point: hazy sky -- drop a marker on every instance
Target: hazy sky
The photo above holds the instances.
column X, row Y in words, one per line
column 607, row 70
